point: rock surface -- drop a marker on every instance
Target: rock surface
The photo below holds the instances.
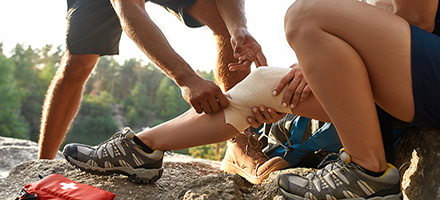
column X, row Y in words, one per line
column 15, row 151
column 420, row 149
column 189, row 178
column 181, row 180
column 184, row 178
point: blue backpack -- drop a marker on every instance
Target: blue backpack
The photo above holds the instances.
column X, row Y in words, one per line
column 292, row 139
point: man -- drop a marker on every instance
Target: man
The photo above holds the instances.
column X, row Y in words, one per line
column 94, row 29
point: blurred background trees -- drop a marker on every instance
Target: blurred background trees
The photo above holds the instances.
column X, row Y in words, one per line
column 132, row 94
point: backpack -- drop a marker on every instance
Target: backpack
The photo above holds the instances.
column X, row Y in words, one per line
column 301, row 141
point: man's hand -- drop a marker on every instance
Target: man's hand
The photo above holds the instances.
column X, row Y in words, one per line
column 246, row 50
column 204, row 96
column 262, row 114
column 297, row 89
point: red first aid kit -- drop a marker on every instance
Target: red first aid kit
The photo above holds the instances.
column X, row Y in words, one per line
column 58, row 187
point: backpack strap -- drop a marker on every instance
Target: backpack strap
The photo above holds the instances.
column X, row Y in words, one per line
column 297, row 131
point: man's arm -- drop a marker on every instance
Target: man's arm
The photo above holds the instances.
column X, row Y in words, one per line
column 246, row 48
column 419, row 13
column 202, row 94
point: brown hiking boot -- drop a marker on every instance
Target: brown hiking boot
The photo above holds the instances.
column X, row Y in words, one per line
column 245, row 157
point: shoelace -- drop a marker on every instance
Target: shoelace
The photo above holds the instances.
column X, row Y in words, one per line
column 280, row 127
column 254, row 146
column 331, row 165
column 114, row 136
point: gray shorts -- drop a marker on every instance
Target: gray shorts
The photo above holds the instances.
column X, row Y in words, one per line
column 93, row 26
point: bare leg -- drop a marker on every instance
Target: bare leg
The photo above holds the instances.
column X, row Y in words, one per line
column 62, row 101
column 206, row 11
column 354, row 55
column 192, row 129
column 188, row 130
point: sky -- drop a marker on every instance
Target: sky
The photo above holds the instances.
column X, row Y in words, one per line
column 37, row 23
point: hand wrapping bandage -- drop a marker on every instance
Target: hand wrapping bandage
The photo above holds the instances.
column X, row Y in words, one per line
column 255, row 90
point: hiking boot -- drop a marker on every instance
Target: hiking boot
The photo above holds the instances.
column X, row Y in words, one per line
column 119, row 154
column 341, row 179
column 244, row 157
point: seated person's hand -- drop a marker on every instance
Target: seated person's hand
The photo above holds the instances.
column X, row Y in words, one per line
column 262, row 114
column 246, row 50
column 297, row 87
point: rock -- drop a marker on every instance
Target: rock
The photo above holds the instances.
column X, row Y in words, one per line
column 184, row 177
column 176, row 174
column 15, row 151
column 420, row 149
column 188, row 178
column 181, row 180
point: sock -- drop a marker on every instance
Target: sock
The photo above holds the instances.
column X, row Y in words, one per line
column 373, row 174
column 143, row 145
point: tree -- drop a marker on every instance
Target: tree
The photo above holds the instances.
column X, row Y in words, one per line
column 11, row 124
column 169, row 100
column 139, row 109
column 37, row 68
column 94, row 122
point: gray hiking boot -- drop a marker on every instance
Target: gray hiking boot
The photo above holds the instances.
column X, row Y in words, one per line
column 120, row 155
column 341, row 179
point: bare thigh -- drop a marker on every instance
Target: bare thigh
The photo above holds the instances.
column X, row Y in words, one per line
column 382, row 41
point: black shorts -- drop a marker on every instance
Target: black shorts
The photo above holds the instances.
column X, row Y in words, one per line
column 93, row 26
column 425, row 71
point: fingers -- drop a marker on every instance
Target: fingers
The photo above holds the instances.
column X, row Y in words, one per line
column 283, row 83
column 246, row 48
column 298, row 89
column 264, row 115
column 207, row 97
column 306, row 92
column 222, row 101
column 212, row 105
column 254, row 123
column 237, row 45
column 260, row 116
column 197, row 107
column 206, row 107
column 261, row 60
column 240, row 66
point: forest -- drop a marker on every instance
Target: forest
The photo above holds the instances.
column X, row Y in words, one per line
column 116, row 95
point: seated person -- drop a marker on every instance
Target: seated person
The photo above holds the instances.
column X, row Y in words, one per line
column 354, row 56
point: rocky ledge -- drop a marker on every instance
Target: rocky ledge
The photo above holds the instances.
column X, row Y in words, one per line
column 190, row 178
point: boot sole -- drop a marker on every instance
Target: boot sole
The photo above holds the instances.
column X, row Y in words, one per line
column 290, row 196
column 231, row 168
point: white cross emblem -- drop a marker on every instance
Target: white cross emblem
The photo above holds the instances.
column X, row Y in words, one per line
column 68, row 186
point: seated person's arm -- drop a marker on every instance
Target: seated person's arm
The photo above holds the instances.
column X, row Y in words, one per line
column 419, row 13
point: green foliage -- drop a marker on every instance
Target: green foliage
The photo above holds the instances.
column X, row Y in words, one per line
column 11, row 123
column 210, row 151
column 138, row 106
column 169, row 101
column 34, row 71
column 94, row 122
column 206, row 75
column 132, row 94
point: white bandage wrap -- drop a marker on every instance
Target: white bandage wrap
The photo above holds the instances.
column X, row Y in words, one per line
column 255, row 90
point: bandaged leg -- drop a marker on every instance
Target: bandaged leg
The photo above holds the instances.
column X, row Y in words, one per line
column 255, row 90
